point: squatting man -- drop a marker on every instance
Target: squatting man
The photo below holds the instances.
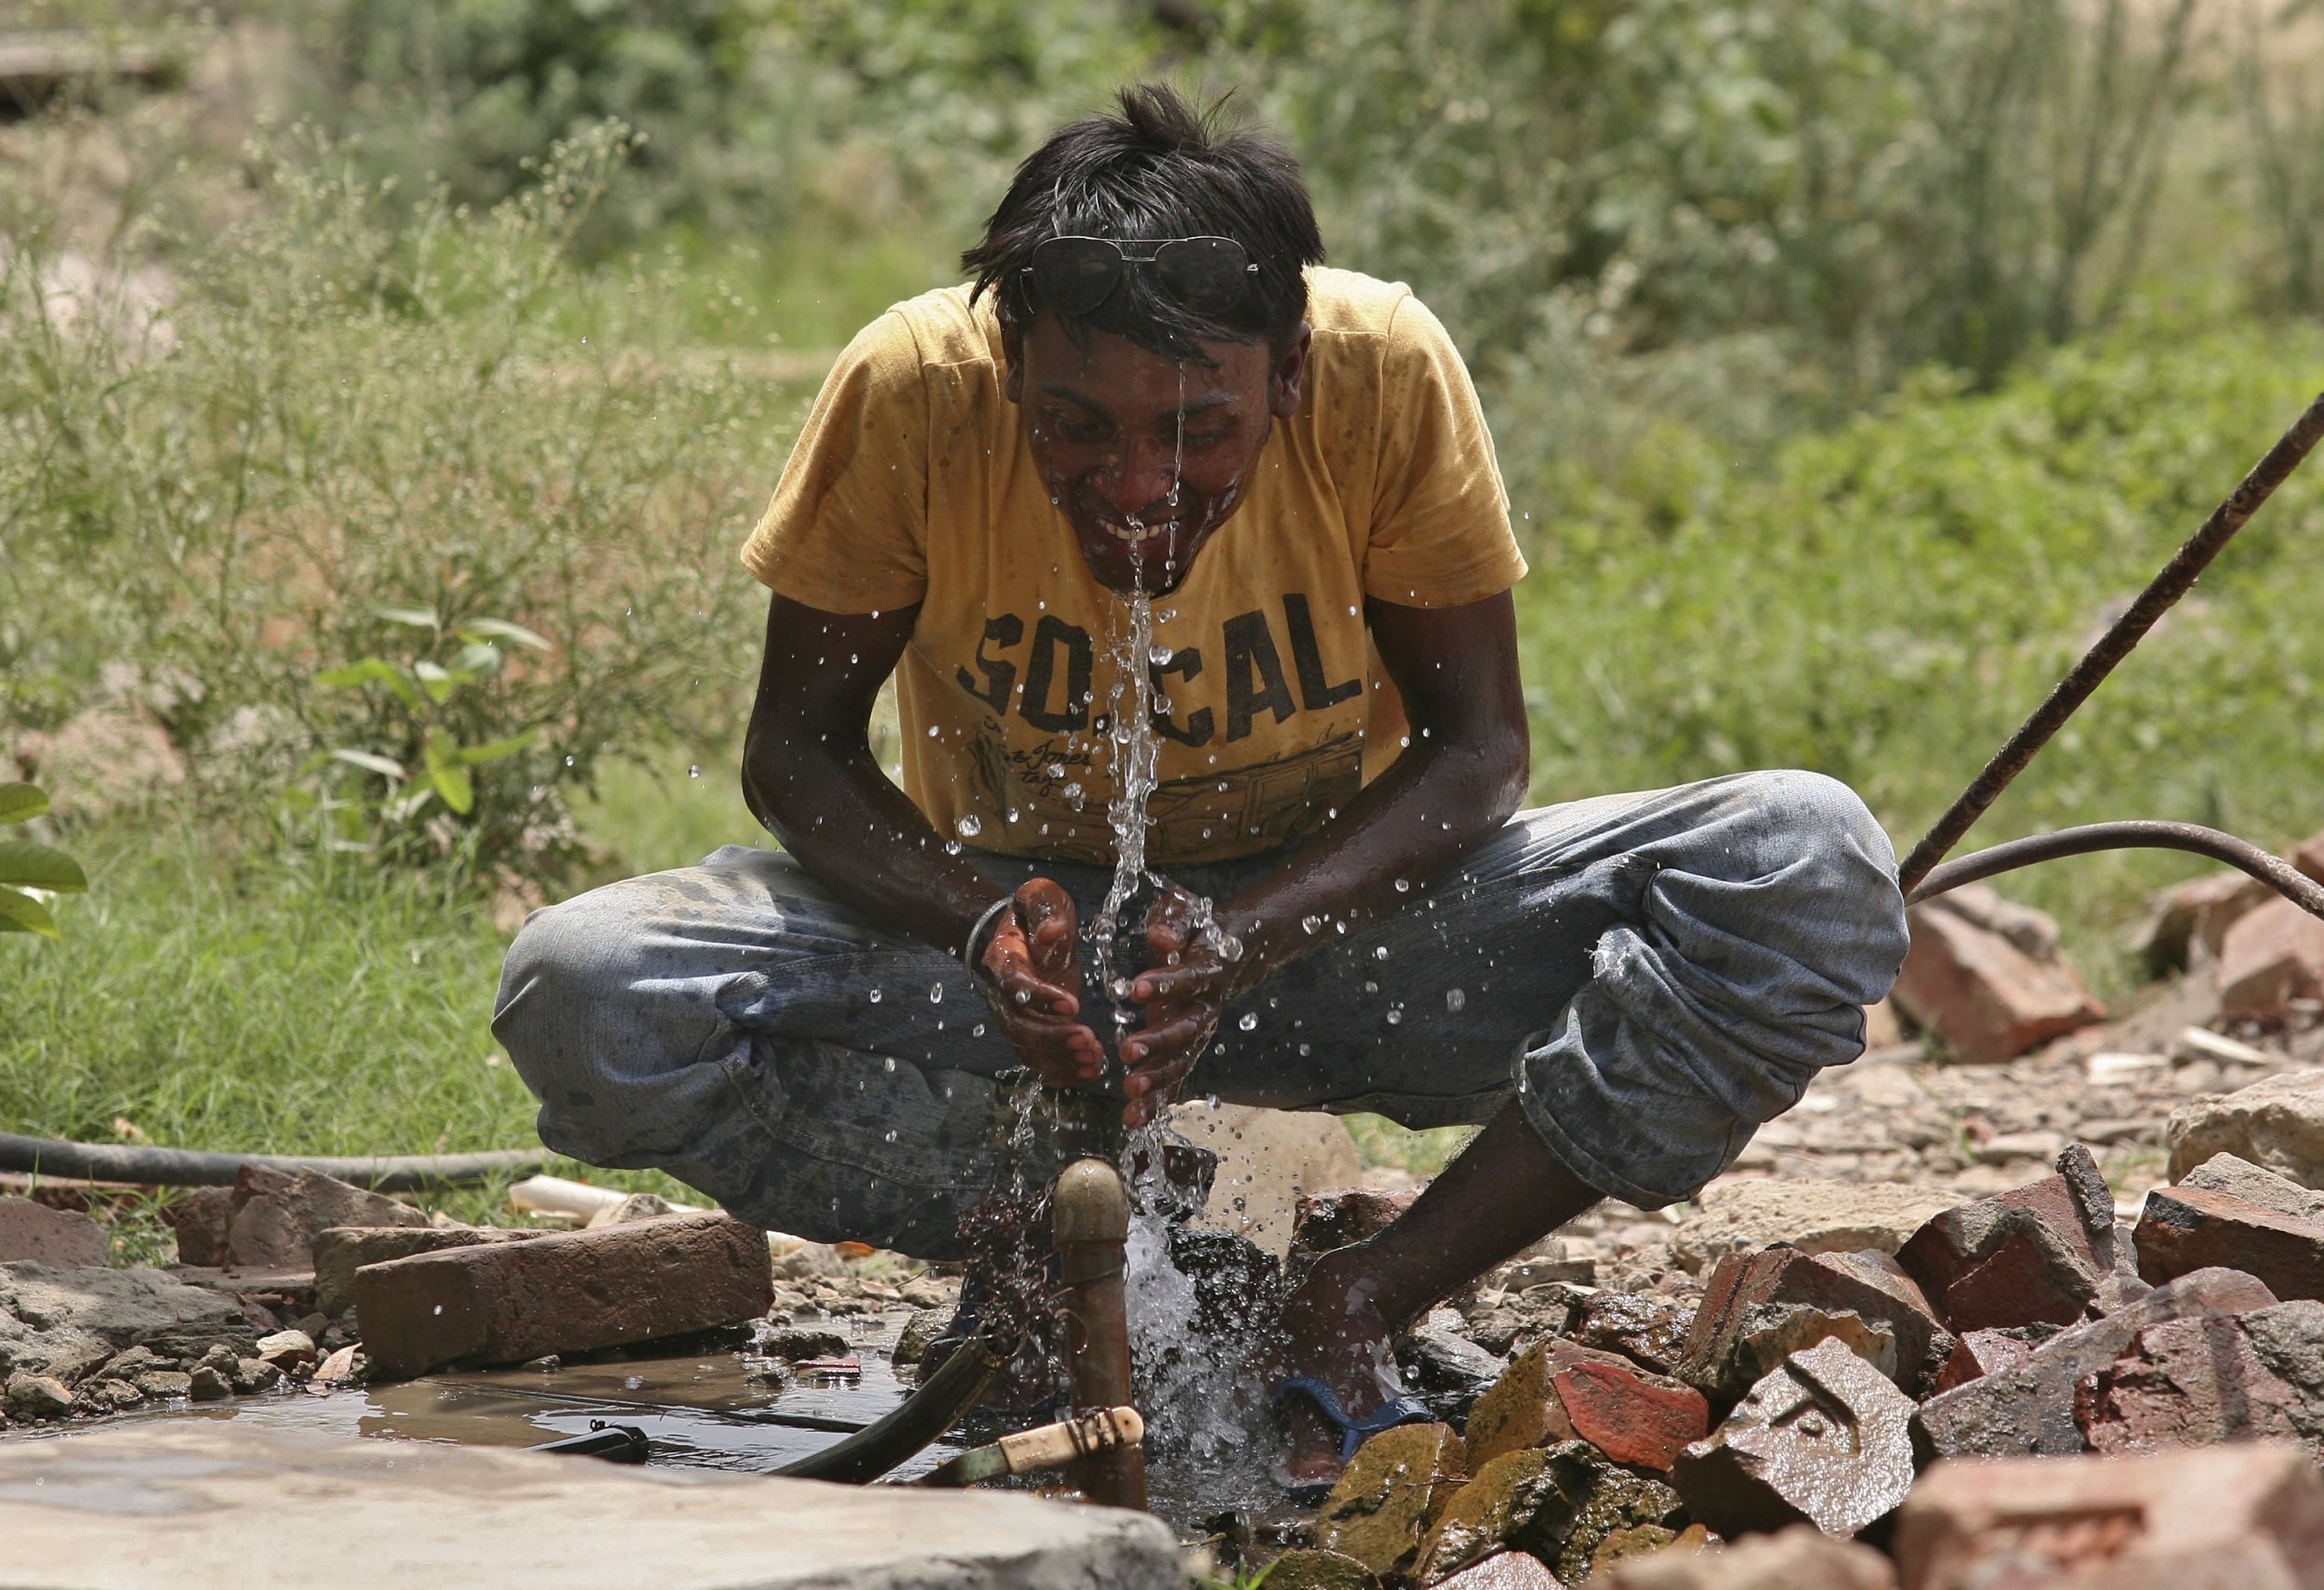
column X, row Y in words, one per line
column 1152, row 383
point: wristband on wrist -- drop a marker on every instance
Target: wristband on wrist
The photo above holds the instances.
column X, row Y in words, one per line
column 972, row 950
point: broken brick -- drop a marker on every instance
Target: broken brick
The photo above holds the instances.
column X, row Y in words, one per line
column 276, row 1215
column 1561, row 1391
column 199, row 1221
column 1869, row 1285
column 1800, row 1557
column 1322, row 1221
column 1648, row 1327
column 2196, row 916
column 2227, row 1173
column 1509, row 1571
column 1304, row 1567
column 569, row 1291
column 340, row 1251
column 1980, row 1353
column 2269, row 957
column 2211, row 1378
column 1522, row 1501
column 2186, row 1228
column 2035, row 1254
column 1824, row 1441
column 1380, row 1507
column 55, row 1237
column 2027, row 1409
column 1984, row 996
column 2247, row 1516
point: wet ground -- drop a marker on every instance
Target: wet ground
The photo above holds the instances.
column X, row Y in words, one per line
column 705, row 1409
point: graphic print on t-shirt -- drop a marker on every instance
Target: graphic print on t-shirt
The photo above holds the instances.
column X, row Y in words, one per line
column 1261, row 671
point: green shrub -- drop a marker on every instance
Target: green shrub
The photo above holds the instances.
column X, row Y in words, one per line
column 359, row 406
column 1890, row 600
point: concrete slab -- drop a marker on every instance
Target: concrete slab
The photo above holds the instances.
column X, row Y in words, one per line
column 204, row 1505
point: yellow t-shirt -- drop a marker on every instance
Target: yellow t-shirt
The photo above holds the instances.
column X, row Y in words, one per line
column 912, row 483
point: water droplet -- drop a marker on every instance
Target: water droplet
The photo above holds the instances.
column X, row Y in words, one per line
column 890, row 1062
column 969, row 827
column 1394, row 1015
column 1159, row 656
column 935, row 993
column 1403, row 885
column 1370, row 987
column 874, row 995
column 952, row 847
column 1379, row 952
column 1455, row 999
column 977, row 1032
column 692, row 772
column 1305, row 1050
column 1313, row 925
column 1249, row 1022
column 932, row 731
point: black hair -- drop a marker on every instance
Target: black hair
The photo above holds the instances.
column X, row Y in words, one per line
column 1158, row 169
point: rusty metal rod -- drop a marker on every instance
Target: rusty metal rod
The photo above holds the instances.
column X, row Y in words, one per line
column 2177, row 576
column 2274, row 871
column 1091, row 1213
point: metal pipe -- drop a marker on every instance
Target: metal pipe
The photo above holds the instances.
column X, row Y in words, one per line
column 1090, row 1210
column 2177, row 577
column 2274, row 871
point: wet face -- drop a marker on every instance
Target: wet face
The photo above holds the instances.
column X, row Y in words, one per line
column 1147, row 455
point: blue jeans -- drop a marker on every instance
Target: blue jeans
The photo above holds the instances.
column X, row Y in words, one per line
column 1651, row 976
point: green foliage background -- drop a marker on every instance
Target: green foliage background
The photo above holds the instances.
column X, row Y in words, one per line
column 1848, row 361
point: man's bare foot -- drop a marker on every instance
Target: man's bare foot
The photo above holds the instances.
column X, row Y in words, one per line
column 1335, row 1328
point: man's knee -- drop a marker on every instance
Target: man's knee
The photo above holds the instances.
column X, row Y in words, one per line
column 568, row 959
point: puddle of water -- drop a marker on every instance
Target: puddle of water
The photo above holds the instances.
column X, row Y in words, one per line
column 699, row 1409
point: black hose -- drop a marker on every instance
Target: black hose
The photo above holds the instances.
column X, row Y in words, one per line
column 187, row 1168
column 909, row 1426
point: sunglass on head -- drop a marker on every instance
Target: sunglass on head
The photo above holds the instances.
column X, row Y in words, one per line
column 1205, row 274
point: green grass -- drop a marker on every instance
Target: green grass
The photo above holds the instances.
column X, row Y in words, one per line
column 202, row 1003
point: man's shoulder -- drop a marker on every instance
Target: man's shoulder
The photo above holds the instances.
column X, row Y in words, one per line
column 945, row 327
column 1350, row 304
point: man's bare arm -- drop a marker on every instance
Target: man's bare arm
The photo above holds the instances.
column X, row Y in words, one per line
column 809, row 778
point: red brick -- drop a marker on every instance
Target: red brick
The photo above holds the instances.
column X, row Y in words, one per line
column 2027, row 1409
column 1629, row 1415
column 1870, row 1285
column 1824, row 1439
column 2308, row 857
column 2271, row 957
column 1979, row 1353
column 199, row 1221
column 1509, row 1571
column 2035, row 1254
column 1561, row 1391
column 276, row 1215
column 1983, row 995
column 571, row 1292
column 343, row 1250
column 59, row 1236
column 2196, row 913
column 1323, row 1221
column 1801, row 1557
column 2186, row 1228
column 2213, row 1378
column 2258, row 1509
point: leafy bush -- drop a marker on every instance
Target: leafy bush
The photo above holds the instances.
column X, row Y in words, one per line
column 359, row 406
column 1891, row 599
column 28, row 870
